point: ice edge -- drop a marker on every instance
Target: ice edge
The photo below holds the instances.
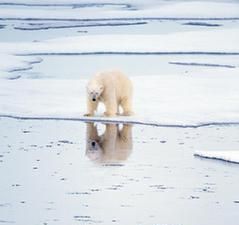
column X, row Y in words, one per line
column 119, row 120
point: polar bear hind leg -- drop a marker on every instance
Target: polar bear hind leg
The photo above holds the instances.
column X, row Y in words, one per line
column 127, row 107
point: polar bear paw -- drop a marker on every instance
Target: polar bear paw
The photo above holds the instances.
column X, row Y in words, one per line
column 88, row 114
column 109, row 114
column 127, row 113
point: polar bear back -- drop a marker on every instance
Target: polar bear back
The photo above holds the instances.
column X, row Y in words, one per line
column 116, row 81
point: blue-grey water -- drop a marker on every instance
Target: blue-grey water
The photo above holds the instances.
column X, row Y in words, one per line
column 51, row 173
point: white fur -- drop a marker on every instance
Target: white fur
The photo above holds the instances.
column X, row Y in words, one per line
column 112, row 88
column 113, row 145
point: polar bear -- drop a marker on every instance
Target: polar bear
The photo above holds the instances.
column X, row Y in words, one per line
column 114, row 145
column 112, row 88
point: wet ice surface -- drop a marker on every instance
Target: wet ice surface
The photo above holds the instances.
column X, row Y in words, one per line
column 59, row 177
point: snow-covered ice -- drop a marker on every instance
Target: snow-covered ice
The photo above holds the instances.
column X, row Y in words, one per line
column 10, row 63
column 222, row 41
column 175, row 99
column 121, row 9
column 178, row 100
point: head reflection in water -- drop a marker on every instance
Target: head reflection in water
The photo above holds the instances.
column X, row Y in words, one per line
column 114, row 145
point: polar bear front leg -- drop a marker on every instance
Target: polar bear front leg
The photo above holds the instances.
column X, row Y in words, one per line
column 111, row 106
column 109, row 139
column 91, row 107
column 91, row 131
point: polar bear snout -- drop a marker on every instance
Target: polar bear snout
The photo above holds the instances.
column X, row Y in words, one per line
column 94, row 145
column 94, row 95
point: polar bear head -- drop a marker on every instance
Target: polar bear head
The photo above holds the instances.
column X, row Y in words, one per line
column 94, row 90
column 94, row 150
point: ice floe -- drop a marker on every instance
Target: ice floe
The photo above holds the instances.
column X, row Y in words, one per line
column 173, row 100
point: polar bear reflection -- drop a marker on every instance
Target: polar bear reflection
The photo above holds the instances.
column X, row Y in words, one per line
column 114, row 145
